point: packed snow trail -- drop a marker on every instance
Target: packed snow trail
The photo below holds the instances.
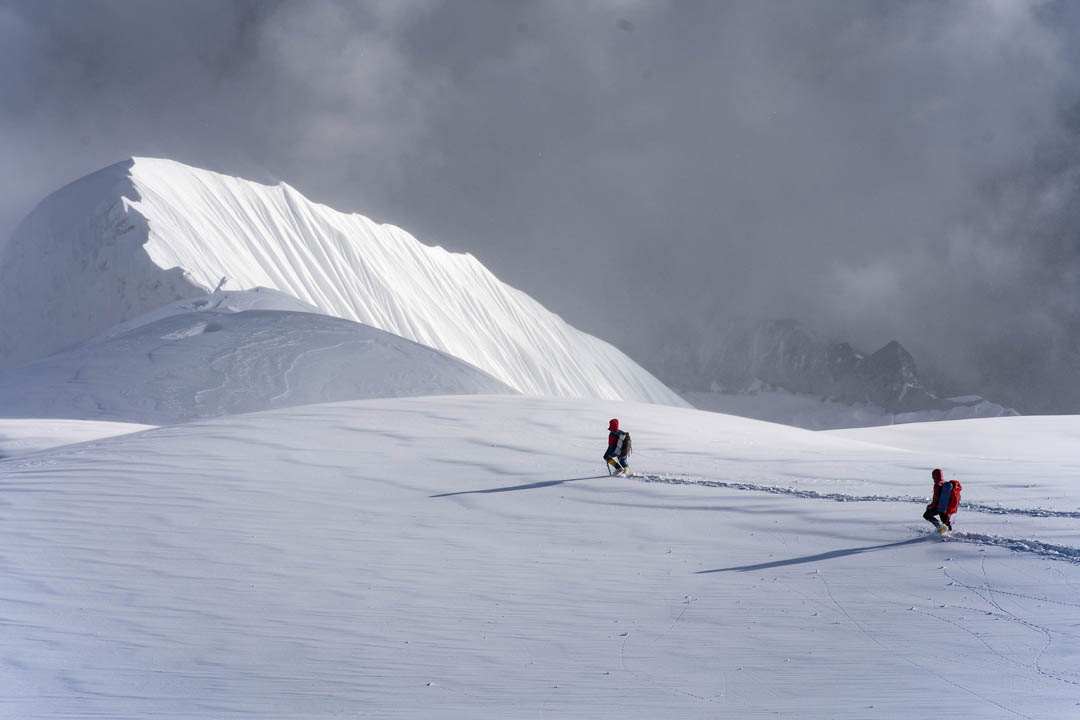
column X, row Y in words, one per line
column 844, row 497
column 1048, row 550
column 1035, row 547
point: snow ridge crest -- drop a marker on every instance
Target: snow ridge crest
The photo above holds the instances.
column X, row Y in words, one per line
column 146, row 232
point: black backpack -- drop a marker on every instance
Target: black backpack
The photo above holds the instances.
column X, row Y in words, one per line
column 627, row 444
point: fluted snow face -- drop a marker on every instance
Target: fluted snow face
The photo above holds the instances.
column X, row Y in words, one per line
column 196, row 226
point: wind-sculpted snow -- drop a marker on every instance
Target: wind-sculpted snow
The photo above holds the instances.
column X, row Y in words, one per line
column 203, row 359
column 145, row 233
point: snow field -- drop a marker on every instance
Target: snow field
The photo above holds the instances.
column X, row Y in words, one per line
column 467, row 556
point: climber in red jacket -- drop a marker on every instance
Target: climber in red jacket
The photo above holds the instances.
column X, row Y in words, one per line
column 944, row 503
column 618, row 447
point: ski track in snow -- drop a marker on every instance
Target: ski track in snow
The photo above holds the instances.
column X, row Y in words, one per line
column 1035, row 547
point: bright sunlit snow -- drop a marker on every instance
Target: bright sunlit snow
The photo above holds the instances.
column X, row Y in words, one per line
column 145, row 233
column 468, row 557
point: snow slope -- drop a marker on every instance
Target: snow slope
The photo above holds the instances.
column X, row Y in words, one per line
column 1030, row 438
column 29, row 435
column 144, row 233
column 211, row 356
column 467, row 557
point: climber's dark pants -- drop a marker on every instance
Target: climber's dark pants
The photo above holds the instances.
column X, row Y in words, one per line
column 931, row 512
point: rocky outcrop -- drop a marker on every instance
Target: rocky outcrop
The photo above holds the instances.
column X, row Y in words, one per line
column 780, row 354
column 889, row 379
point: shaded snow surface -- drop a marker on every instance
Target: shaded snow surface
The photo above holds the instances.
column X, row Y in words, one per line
column 223, row 301
column 23, row 436
column 214, row 356
column 468, row 557
column 145, row 233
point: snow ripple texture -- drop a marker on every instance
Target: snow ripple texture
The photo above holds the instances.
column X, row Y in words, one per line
column 147, row 232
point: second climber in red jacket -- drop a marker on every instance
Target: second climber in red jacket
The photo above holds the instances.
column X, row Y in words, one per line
column 944, row 503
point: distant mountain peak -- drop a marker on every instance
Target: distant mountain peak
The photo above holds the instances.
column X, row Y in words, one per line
column 890, row 379
column 785, row 355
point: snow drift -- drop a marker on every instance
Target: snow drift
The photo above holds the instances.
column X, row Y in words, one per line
column 144, row 233
column 209, row 357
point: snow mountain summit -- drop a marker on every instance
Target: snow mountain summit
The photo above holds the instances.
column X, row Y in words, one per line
column 145, row 233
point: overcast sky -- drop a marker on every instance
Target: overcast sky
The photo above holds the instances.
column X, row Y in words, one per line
column 878, row 170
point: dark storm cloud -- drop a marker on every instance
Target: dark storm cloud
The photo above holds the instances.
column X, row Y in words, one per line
column 877, row 169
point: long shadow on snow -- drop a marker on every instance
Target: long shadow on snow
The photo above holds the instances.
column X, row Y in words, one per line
column 821, row 556
column 511, row 488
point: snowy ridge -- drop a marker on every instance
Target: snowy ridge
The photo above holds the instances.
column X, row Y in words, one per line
column 25, row 436
column 147, row 232
column 222, row 355
column 222, row 301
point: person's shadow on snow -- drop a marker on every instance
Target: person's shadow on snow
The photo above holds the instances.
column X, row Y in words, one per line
column 512, row 488
column 821, row 556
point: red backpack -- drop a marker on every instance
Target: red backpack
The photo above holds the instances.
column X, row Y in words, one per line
column 954, row 498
